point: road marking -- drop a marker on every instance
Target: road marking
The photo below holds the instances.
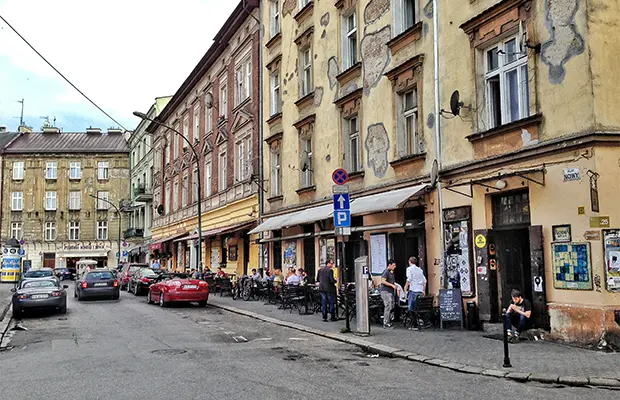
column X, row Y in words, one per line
column 240, row 339
column 298, row 339
column 263, row 339
column 229, row 333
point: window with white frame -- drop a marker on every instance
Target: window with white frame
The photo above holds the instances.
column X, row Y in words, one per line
column 276, row 173
column 195, row 194
column 51, row 170
column 103, row 197
column 274, row 17
column 243, row 152
column 103, row 170
column 177, row 145
column 244, row 81
column 18, row 170
column 167, row 199
column 222, row 170
column 349, row 41
column 196, row 124
column 223, row 100
column 353, row 144
column 167, row 154
column 16, row 230
column 185, row 191
column 50, row 201
column 75, row 170
column 17, row 201
column 209, row 119
column 208, row 178
column 175, row 195
column 306, row 72
column 306, row 172
column 303, row 3
column 275, row 93
column 102, row 230
column 185, row 133
column 74, row 230
column 408, row 124
column 50, row 231
column 506, row 83
column 406, row 14
column 75, row 200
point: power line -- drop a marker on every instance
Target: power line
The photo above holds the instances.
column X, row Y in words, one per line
column 59, row 73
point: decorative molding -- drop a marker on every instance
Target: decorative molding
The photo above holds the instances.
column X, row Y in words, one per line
column 304, row 13
column 274, row 64
column 356, row 94
column 495, row 20
column 274, row 41
column 406, row 38
column 305, row 38
column 410, row 159
column 275, row 198
column 535, row 119
column 305, row 101
column 274, row 119
column 307, row 189
column 274, row 137
column 407, row 75
column 305, row 121
column 350, row 73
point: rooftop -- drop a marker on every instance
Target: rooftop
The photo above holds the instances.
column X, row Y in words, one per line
column 68, row 142
column 5, row 139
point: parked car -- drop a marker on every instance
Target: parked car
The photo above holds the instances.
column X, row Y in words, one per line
column 141, row 280
column 63, row 273
column 97, row 283
column 39, row 273
column 178, row 288
column 39, row 293
column 127, row 271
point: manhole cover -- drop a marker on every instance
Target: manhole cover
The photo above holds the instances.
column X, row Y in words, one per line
column 169, row 352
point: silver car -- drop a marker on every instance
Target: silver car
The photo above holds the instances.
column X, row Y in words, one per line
column 39, row 293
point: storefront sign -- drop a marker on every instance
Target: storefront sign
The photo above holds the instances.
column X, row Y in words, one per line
column 561, row 233
column 600, row 222
column 611, row 246
column 482, row 270
column 571, row 266
column 592, row 235
column 572, row 174
column 450, row 305
column 481, row 241
column 581, row 210
column 83, row 246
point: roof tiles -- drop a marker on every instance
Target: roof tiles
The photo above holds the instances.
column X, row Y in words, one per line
column 65, row 142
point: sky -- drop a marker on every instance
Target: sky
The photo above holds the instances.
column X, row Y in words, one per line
column 106, row 48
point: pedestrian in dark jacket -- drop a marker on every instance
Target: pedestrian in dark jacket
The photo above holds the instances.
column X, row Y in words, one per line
column 327, row 288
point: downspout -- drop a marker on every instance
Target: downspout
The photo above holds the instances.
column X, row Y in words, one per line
column 443, row 281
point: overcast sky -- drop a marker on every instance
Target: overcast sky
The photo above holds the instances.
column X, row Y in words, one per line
column 107, row 49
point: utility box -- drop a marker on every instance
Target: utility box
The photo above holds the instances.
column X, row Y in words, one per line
column 361, row 295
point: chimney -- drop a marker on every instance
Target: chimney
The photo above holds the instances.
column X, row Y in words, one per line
column 51, row 129
column 2, row 129
column 93, row 130
column 24, row 129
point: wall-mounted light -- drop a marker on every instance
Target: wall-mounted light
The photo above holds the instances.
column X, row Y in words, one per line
column 501, row 184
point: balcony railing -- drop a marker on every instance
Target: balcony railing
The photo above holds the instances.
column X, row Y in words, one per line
column 134, row 232
column 142, row 193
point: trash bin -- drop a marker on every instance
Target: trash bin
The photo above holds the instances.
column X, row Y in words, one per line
column 472, row 316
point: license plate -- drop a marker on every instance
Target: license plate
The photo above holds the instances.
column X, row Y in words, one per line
column 101, row 284
column 40, row 296
column 190, row 287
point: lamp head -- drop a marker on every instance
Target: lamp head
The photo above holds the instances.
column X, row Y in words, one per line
column 140, row 115
column 208, row 100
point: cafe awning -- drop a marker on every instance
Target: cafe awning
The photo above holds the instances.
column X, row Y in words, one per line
column 156, row 245
column 385, row 201
column 295, row 218
column 220, row 230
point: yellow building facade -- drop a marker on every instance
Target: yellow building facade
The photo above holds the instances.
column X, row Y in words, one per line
column 528, row 152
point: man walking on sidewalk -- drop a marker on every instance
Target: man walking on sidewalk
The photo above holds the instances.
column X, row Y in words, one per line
column 415, row 287
column 327, row 288
column 388, row 290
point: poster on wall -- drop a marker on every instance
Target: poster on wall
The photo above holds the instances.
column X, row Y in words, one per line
column 611, row 246
column 571, row 266
column 378, row 254
column 290, row 254
column 328, row 250
column 457, row 264
column 215, row 257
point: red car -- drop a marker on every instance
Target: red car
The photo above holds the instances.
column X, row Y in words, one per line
column 178, row 288
column 128, row 271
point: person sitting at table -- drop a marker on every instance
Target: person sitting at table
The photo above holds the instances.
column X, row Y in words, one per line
column 304, row 275
column 278, row 279
column 294, row 279
column 220, row 273
column 255, row 275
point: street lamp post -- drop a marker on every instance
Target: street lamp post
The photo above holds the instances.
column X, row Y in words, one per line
column 199, row 183
column 120, row 219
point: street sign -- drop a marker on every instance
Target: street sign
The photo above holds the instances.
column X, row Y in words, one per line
column 125, row 253
column 344, row 231
column 340, row 189
column 341, row 202
column 342, row 218
column 340, row 176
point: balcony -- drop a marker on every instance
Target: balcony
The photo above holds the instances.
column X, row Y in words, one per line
column 134, row 233
column 142, row 193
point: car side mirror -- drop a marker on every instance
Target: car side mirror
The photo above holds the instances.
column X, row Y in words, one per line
column 13, row 290
column 65, row 286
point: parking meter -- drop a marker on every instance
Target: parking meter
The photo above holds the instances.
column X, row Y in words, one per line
column 361, row 295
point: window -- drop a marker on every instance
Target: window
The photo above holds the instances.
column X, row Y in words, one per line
column 74, row 230
column 167, row 155
column 276, row 174
column 50, row 231
column 51, row 170
column 17, row 201
column 306, row 172
column 75, row 170
column 275, row 93
column 182, row 142
column 196, row 124
column 223, row 101
column 243, row 158
column 16, row 230
column 195, row 194
column 353, row 151
column 208, row 178
column 18, row 170
column 303, row 3
column 102, row 200
column 410, row 143
column 209, row 119
column 102, row 230
column 167, row 200
column 175, row 196
column 306, row 72
column 244, row 81
column 103, row 170
column 349, row 38
column 50, row 201
column 405, row 15
column 185, row 191
column 176, row 147
column 274, row 18
column 221, row 177
column 75, row 200
column 506, row 83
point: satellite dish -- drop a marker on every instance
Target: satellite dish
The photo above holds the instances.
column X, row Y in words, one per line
column 455, row 103
column 160, row 209
column 304, row 162
column 127, row 136
column 209, row 100
column 434, row 173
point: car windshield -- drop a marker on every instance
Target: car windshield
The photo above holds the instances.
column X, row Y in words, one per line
column 134, row 269
column 94, row 276
column 37, row 274
column 39, row 284
column 149, row 273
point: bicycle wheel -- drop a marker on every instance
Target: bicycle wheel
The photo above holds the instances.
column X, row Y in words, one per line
column 235, row 291
column 247, row 291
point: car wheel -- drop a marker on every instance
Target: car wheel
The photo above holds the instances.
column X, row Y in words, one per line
column 137, row 290
column 162, row 302
column 128, row 287
column 202, row 304
column 148, row 298
column 116, row 296
column 63, row 309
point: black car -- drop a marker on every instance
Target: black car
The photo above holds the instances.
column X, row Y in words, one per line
column 39, row 293
column 140, row 281
column 97, row 283
column 63, row 274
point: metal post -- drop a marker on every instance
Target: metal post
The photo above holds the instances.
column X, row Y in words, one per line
column 361, row 296
column 506, row 353
column 346, row 289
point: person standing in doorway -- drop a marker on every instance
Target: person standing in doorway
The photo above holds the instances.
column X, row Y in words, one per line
column 388, row 289
column 415, row 287
column 327, row 288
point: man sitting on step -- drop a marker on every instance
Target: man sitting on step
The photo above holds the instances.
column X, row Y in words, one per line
column 519, row 314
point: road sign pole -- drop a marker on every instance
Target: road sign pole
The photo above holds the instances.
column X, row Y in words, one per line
column 346, row 288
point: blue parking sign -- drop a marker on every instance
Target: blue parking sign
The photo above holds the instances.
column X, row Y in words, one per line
column 342, row 218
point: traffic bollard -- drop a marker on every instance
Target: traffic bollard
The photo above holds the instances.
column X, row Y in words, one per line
column 506, row 353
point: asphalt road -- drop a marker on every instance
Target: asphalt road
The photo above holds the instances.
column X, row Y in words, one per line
column 130, row 350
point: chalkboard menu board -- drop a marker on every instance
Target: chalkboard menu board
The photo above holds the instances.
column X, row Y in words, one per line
column 451, row 306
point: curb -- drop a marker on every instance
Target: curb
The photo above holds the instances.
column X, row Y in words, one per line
column 5, row 322
column 391, row 352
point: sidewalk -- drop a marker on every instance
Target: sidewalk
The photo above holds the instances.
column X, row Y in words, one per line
column 540, row 361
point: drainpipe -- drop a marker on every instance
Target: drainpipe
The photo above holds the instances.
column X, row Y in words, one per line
column 443, row 282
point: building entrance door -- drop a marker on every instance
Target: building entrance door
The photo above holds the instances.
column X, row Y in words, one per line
column 513, row 263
